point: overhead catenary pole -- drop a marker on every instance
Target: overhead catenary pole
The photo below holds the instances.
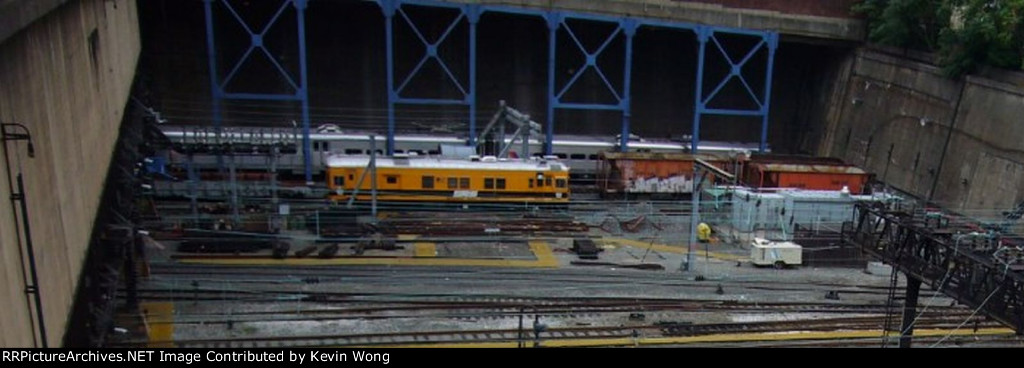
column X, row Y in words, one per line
column 275, row 151
column 373, row 177
column 234, row 190
column 698, row 181
column 689, row 263
column 193, row 186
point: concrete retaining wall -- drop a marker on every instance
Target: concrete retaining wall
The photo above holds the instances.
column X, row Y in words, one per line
column 66, row 77
column 894, row 103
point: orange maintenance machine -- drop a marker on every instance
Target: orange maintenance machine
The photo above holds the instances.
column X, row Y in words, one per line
column 432, row 179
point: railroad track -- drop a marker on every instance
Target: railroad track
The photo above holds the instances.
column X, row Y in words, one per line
column 225, row 278
column 437, row 305
column 361, row 303
column 529, row 336
column 1008, row 340
column 475, row 314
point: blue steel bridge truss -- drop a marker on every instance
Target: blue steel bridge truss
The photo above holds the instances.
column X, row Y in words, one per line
column 707, row 36
column 300, row 92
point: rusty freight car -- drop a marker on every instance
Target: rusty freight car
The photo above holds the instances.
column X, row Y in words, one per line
column 804, row 172
column 653, row 173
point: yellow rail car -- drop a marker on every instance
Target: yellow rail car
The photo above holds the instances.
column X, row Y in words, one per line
column 431, row 179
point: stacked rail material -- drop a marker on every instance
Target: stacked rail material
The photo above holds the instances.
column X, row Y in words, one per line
column 805, row 172
column 224, row 245
column 335, row 224
column 198, row 241
column 652, row 173
column 477, row 224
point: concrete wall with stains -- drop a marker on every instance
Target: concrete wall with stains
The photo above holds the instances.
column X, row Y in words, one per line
column 896, row 113
column 66, row 77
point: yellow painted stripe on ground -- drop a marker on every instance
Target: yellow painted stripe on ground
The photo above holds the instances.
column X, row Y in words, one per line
column 675, row 249
column 407, row 237
column 421, row 250
column 742, row 337
column 160, row 333
column 808, row 335
column 540, row 249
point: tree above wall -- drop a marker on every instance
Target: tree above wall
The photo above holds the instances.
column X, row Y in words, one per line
column 965, row 34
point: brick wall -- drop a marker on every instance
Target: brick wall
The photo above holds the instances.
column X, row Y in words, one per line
column 823, row 8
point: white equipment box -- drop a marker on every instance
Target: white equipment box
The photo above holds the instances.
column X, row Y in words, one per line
column 777, row 254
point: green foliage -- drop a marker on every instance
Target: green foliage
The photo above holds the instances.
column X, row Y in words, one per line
column 964, row 33
column 992, row 34
column 904, row 23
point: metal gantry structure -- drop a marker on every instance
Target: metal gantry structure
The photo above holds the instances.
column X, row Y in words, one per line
column 979, row 268
column 470, row 14
column 269, row 143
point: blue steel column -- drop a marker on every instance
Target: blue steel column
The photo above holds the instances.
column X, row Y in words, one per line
column 702, row 37
column 256, row 45
column 300, row 8
column 473, row 16
column 471, row 13
column 388, row 6
column 773, row 43
column 554, row 20
column 629, row 29
column 211, row 47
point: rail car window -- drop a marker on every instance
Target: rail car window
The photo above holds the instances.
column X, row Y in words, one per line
column 488, row 183
column 561, row 156
column 434, row 152
column 353, row 151
column 316, row 146
column 326, row 146
column 560, row 183
column 453, row 183
column 339, row 181
column 351, row 177
column 399, row 151
column 501, row 183
column 592, row 157
column 578, row 156
column 463, row 183
column 531, row 182
column 428, row 182
column 547, row 181
column 392, row 179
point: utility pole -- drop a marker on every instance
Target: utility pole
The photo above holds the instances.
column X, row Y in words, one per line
column 699, row 165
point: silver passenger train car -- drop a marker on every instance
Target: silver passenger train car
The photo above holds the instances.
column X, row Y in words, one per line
column 580, row 153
